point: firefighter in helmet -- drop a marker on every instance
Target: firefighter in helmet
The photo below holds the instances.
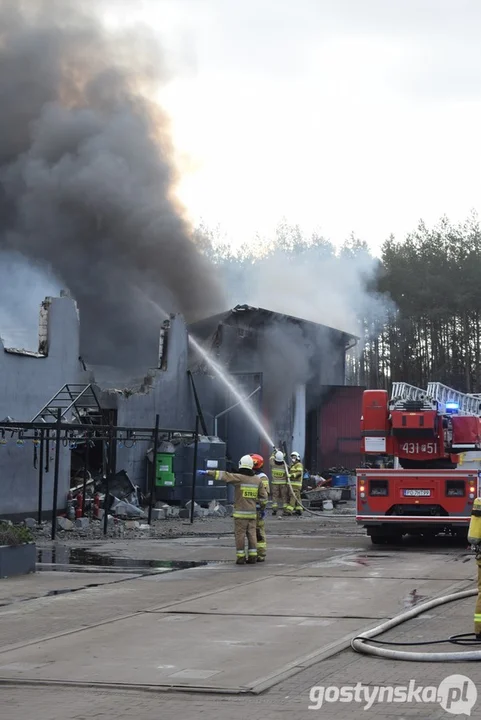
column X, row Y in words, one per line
column 249, row 490
column 296, row 475
column 261, row 509
column 279, row 482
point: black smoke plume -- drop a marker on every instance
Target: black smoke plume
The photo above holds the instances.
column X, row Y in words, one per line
column 87, row 176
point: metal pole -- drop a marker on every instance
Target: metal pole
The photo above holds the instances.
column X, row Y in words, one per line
column 40, row 479
column 107, row 480
column 47, row 452
column 56, row 472
column 104, row 458
column 86, row 462
column 153, row 475
column 194, row 469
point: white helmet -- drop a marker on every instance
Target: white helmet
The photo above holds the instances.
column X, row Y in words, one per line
column 279, row 457
column 246, row 462
column 295, row 456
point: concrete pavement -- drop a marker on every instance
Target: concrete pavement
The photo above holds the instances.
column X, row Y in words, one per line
column 219, row 628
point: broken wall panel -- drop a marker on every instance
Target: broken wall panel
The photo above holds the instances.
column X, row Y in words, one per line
column 28, row 381
column 168, row 394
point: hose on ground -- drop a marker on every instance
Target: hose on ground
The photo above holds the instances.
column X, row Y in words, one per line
column 361, row 643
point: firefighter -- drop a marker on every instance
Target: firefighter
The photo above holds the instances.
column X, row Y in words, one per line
column 279, row 482
column 474, row 539
column 477, row 609
column 248, row 491
column 296, row 475
column 261, row 509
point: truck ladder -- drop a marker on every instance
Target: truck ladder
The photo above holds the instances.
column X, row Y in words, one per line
column 468, row 404
column 404, row 391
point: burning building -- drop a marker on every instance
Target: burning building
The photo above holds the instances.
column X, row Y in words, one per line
column 294, row 372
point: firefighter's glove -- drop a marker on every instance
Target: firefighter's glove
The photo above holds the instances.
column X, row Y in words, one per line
column 202, row 472
column 262, row 514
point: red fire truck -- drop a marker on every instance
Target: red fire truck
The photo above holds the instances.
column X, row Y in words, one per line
column 412, row 443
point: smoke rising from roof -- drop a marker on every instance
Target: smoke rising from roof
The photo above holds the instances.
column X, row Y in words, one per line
column 306, row 278
column 87, row 176
column 310, row 281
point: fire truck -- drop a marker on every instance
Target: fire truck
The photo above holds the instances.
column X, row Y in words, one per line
column 412, row 443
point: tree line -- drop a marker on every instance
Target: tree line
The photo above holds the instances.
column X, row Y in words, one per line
column 420, row 315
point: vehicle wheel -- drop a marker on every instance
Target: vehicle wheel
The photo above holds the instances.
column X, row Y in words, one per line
column 379, row 539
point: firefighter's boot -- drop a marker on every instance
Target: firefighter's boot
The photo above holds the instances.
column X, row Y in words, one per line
column 241, row 559
column 261, row 540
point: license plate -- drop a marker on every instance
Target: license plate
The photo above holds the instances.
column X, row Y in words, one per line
column 417, row 493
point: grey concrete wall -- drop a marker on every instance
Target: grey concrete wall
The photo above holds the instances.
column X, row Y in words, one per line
column 169, row 395
column 26, row 384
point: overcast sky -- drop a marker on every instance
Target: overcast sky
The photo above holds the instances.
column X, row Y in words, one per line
column 348, row 115
column 340, row 115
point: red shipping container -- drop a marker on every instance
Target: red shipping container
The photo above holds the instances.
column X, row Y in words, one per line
column 339, row 428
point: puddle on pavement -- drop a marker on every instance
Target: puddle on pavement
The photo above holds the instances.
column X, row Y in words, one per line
column 65, row 559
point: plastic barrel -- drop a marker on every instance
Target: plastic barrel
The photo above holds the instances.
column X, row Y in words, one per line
column 340, row 480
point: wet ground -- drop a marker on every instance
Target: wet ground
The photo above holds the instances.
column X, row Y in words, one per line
column 62, row 558
column 119, row 614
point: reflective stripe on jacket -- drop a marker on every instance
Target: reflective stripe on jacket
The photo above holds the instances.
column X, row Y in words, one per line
column 279, row 475
column 248, row 491
column 296, row 474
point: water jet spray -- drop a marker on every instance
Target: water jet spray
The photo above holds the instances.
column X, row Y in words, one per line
column 223, row 377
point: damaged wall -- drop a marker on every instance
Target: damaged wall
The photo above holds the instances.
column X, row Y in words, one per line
column 166, row 391
column 287, row 353
column 31, row 378
column 28, row 380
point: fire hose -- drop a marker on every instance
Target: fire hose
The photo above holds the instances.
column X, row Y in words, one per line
column 363, row 643
column 367, row 644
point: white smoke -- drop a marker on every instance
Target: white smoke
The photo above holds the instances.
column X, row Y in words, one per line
column 310, row 280
column 330, row 291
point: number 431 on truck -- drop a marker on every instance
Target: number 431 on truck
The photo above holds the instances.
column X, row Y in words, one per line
column 413, row 443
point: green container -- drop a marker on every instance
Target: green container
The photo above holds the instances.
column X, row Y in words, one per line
column 164, row 476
